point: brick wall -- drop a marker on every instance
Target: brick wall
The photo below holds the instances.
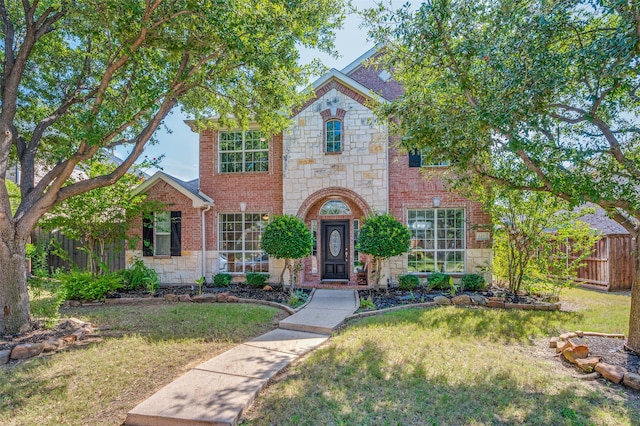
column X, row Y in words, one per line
column 182, row 269
column 261, row 191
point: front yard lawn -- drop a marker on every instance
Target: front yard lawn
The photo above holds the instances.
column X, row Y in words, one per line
column 145, row 347
column 451, row 366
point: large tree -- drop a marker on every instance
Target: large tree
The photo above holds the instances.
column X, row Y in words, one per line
column 78, row 76
column 538, row 95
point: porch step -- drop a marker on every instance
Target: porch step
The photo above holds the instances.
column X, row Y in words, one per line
column 326, row 311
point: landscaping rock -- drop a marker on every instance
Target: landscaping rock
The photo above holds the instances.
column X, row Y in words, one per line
column 576, row 352
column 564, row 346
column 579, row 333
column 461, row 300
column 479, row 300
column 588, row 364
column 267, row 288
column 222, row 297
column 614, row 373
column 79, row 333
column 232, row 299
column 52, row 344
column 74, row 303
column 171, row 297
column 184, row 298
column 72, row 324
column 69, row 338
column 553, row 342
column 495, row 304
column 631, row 380
column 206, row 298
column 4, row 356
column 442, row 300
column 567, row 336
column 27, row 350
column 592, row 376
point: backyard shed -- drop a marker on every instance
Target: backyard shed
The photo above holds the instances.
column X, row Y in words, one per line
column 611, row 266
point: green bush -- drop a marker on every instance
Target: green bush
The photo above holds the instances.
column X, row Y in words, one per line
column 256, row 279
column 439, row 281
column 139, row 275
column 222, row 280
column 81, row 285
column 408, row 282
column 46, row 297
column 473, row 282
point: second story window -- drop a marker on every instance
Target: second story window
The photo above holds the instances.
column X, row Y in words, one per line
column 333, row 136
column 243, row 152
column 419, row 158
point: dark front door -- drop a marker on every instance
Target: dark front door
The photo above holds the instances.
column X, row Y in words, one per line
column 335, row 250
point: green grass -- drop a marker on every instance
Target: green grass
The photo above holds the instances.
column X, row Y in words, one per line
column 151, row 345
column 451, row 366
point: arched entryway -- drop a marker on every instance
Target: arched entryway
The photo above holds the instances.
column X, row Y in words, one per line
column 334, row 216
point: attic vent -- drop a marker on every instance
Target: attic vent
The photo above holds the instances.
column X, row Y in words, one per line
column 384, row 75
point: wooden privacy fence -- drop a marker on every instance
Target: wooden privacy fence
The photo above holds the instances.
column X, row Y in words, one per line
column 611, row 265
column 76, row 257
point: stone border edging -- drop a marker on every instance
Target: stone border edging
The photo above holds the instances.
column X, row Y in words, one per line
column 580, row 356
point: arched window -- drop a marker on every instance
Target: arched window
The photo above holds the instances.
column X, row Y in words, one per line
column 333, row 136
column 334, row 207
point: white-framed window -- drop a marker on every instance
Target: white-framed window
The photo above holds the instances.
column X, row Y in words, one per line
column 161, row 234
column 333, row 136
column 418, row 158
column 437, row 240
column 240, row 151
column 239, row 242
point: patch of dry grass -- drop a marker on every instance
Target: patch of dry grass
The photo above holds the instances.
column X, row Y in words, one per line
column 98, row 383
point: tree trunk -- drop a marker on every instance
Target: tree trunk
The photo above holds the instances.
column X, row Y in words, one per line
column 14, row 298
column 633, row 342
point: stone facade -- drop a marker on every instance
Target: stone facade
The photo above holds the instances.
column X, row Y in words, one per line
column 360, row 167
column 368, row 174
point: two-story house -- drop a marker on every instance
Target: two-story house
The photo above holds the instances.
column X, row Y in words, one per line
column 334, row 166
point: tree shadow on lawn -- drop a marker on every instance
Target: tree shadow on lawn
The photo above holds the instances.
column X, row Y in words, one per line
column 346, row 385
column 496, row 324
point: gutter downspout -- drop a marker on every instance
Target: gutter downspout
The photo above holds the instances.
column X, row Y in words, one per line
column 204, row 238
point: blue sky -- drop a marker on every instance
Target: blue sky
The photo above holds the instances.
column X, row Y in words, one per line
column 180, row 147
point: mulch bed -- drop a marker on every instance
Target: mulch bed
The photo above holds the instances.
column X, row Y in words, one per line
column 276, row 294
column 611, row 350
column 393, row 297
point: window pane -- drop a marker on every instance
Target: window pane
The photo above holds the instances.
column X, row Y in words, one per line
column 163, row 223
column 437, row 240
column 240, row 236
column 334, row 207
column 163, row 245
column 243, row 152
column 333, row 134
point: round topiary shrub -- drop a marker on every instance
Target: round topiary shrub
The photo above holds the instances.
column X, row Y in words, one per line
column 408, row 282
column 473, row 282
column 439, row 281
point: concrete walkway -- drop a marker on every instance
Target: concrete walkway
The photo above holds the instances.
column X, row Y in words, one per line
column 219, row 390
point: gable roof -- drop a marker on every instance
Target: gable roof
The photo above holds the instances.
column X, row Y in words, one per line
column 361, row 59
column 346, row 81
column 189, row 189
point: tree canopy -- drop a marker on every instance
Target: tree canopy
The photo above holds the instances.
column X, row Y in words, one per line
column 383, row 236
column 79, row 76
column 535, row 95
